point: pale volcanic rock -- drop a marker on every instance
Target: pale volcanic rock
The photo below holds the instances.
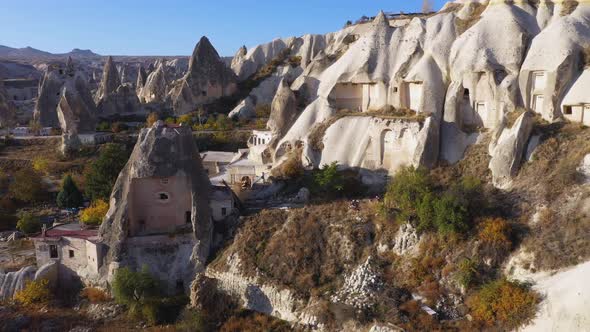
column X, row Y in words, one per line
column 141, row 79
column 283, row 111
column 161, row 151
column 50, row 87
column 155, row 88
column 207, row 79
column 110, row 81
column 507, row 150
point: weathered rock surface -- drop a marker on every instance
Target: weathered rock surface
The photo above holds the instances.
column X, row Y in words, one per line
column 406, row 241
column 141, row 79
column 361, row 288
column 283, row 111
column 156, row 86
column 507, row 150
column 207, row 79
column 7, row 111
column 113, row 98
column 160, row 151
column 50, row 89
column 12, row 282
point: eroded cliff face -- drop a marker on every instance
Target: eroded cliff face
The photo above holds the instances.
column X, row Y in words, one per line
column 164, row 157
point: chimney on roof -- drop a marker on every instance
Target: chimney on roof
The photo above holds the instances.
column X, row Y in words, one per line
column 43, row 230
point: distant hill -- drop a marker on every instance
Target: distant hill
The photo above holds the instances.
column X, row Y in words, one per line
column 29, row 52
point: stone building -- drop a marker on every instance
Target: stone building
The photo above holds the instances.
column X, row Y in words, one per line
column 576, row 104
column 77, row 250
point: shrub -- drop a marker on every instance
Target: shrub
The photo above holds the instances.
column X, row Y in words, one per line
column 28, row 223
column 94, row 214
column 151, row 119
column 495, row 232
column 69, row 196
column 507, row 303
column 41, row 165
column 136, row 290
column 262, row 110
column 35, row 292
column 94, row 295
column 103, row 126
column 328, row 179
column 407, row 191
column 186, row 119
column 27, row 186
column 102, row 174
column 291, row 168
column 118, row 127
column 451, row 214
column 467, row 273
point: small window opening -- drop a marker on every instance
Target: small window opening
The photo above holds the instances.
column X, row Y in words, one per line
column 395, row 89
column 61, row 72
column 204, row 93
column 188, row 217
column 223, row 211
column 466, row 93
column 164, row 181
column 142, row 225
column 163, row 196
column 567, row 110
column 52, row 251
column 71, row 252
column 179, row 286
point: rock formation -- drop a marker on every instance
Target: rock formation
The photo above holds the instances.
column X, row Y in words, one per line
column 155, row 88
column 167, row 153
column 110, row 81
column 7, row 111
column 283, row 111
column 507, row 150
column 113, row 98
column 76, row 112
column 141, row 79
column 12, row 282
column 207, row 79
column 50, row 93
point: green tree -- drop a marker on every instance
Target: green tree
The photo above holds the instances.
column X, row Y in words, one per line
column 408, row 190
column 102, row 174
column 27, row 185
column 328, row 179
column 69, row 196
column 139, row 291
column 28, row 223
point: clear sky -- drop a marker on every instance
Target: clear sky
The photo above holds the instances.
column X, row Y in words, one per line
column 172, row 27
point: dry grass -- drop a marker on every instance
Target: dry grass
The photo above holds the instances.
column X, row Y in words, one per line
column 568, row 7
column 463, row 25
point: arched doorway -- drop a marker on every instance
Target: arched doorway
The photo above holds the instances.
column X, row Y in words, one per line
column 387, row 141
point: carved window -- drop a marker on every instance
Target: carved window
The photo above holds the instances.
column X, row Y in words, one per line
column 53, row 251
column 71, row 252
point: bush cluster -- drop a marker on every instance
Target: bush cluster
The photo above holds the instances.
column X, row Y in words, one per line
column 94, row 295
column 413, row 197
column 94, row 214
column 101, row 175
column 35, row 292
column 141, row 293
column 28, row 223
column 503, row 302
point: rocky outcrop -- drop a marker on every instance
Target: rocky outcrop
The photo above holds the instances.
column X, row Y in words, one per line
column 207, row 79
column 12, row 282
column 247, row 62
column 110, row 80
column 141, row 79
column 50, row 89
column 156, row 87
column 507, row 150
column 161, row 151
column 361, row 287
column 113, row 98
column 406, row 241
column 7, row 111
column 283, row 111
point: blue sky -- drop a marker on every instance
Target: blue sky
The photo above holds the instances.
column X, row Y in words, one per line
column 172, row 27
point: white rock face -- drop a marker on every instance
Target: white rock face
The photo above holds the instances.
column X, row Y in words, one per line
column 584, row 168
column 566, row 297
column 508, row 150
column 12, row 282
